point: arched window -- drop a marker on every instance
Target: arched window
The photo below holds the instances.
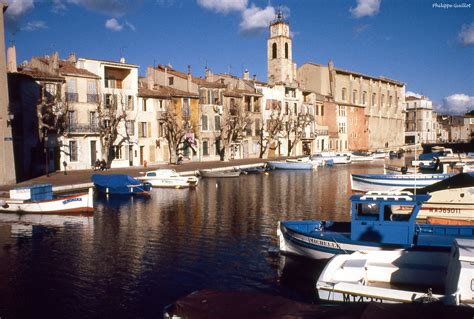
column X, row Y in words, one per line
column 274, row 51
column 286, row 50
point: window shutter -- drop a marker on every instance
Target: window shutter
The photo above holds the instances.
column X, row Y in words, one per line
column 148, row 129
column 140, row 130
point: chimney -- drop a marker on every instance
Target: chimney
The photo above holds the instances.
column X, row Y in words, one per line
column 189, row 78
column 72, row 57
column 246, row 75
column 254, row 77
column 122, row 60
column 54, row 63
column 11, row 59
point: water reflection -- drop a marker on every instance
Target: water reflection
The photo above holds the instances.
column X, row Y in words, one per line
column 135, row 255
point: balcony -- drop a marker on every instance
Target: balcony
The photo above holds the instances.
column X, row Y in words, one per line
column 71, row 97
column 83, row 128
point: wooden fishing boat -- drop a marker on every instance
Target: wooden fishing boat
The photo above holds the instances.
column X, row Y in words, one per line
column 374, row 225
column 40, row 199
column 401, row 276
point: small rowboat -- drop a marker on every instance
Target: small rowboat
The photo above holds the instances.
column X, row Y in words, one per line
column 24, row 200
column 219, row 174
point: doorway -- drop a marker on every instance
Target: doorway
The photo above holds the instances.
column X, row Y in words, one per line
column 93, row 152
column 130, row 155
column 141, row 154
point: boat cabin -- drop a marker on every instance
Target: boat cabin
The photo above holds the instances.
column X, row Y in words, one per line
column 375, row 217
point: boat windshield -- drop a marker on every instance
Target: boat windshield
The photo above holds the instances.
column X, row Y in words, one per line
column 367, row 211
column 399, row 213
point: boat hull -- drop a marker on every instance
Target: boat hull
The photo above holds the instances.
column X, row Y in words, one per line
column 181, row 182
column 393, row 182
column 219, row 174
column 293, row 165
column 80, row 203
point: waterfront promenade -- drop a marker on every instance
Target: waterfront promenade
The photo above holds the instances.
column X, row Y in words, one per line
column 77, row 177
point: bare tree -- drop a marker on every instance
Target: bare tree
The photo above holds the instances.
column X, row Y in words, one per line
column 111, row 114
column 295, row 128
column 233, row 124
column 52, row 111
column 270, row 132
column 175, row 131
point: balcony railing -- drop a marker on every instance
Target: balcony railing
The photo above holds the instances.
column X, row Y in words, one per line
column 83, row 128
column 71, row 97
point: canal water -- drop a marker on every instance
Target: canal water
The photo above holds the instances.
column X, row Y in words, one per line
column 135, row 255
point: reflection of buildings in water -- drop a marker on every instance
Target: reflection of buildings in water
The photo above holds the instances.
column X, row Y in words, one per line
column 21, row 230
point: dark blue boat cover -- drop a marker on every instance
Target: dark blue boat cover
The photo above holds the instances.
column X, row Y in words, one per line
column 114, row 180
column 430, row 156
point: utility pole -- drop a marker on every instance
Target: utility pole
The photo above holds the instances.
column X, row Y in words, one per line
column 7, row 162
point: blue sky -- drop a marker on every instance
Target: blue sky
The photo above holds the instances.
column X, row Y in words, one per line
column 429, row 45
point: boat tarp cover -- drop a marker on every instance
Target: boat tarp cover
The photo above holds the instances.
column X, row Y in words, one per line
column 114, row 180
column 429, row 156
column 227, row 304
column 460, row 180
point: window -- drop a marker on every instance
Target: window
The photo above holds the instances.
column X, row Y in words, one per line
column 110, row 101
column 374, row 97
column 256, row 105
column 160, row 103
column 117, row 152
column 342, row 127
column 382, row 98
column 170, row 80
column 143, row 128
column 110, row 82
column 92, row 121
column 205, row 148
column 364, row 98
column 258, row 129
column 343, row 94
column 217, row 123
column 248, row 103
column 354, row 97
column 91, row 92
column 390, row 98
column 322, row 110
column 130, row 126
column 71, row 93
column 72, row 119
column 72, row 151
column 204, row 123
column 287, row 108
column 144, row 104
column 274, row 51
column 50, row 91
column 185, row 109
column 202, row 96
column 295, row 108
column 341, row 110
column 233, row 107
column 161, row 129
column 286, row 50
column 130, row 102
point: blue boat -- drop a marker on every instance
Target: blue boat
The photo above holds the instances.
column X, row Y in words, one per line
column 376, row 224
column 120, row 184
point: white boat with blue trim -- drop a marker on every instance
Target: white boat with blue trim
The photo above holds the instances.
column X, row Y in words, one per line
column 169, row 178
column 393, row 182
column 374, row 225
column 295, row 164
column 402, row 276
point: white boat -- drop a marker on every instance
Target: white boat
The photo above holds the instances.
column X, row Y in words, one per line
column 294, row 165
column 401, row 276
column 393, row 182
column 169, row 178
column 379, row 155
column 21, row 202
column 452, row 198
column 337, row 158
column 219, row 174
column 361, row 157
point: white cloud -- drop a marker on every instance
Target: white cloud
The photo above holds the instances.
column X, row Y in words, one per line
column 256, row 19
column 113, row 24
column 457, row 104
column 16, row 10
column 34, row 25
column 58, row 6
column 365, row 8
column 410, row 93
column 223, row 6
column 466, row 36
column 131, row 26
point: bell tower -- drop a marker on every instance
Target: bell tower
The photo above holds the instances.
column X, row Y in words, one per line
column 279, row 52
